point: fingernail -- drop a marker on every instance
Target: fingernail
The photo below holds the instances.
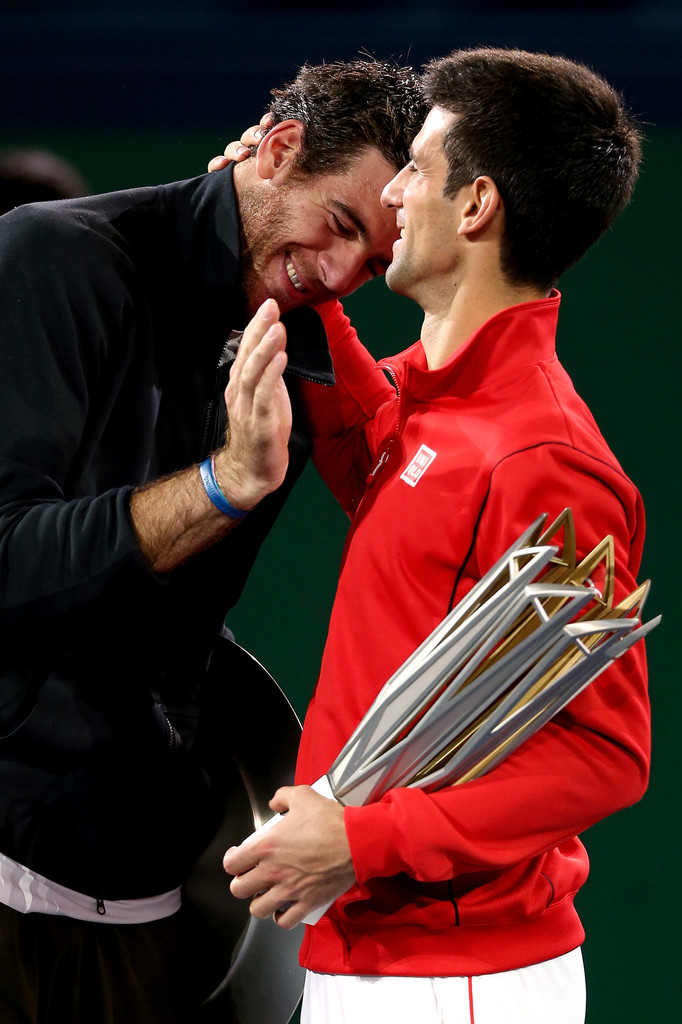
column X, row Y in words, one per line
column 243, row 151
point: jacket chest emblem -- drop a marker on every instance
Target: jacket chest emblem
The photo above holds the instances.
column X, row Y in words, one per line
column 418, row 466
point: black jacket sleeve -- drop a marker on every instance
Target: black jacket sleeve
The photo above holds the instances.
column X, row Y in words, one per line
column 68, row 554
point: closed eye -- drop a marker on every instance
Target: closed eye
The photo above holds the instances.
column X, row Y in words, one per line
column 347, row 220
column 344, row 230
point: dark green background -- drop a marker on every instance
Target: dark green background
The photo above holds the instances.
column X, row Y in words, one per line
column 620, row 339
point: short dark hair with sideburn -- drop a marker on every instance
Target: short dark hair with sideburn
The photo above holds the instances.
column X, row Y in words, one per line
column 555, row 138
column 346, row 107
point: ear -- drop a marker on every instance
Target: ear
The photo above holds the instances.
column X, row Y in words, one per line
column 278, row 150
column 482, row 204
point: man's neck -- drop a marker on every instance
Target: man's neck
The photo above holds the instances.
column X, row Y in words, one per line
column 448, row 325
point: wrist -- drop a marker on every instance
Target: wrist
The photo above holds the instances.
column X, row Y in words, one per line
column 215, row 492
column 238, row 487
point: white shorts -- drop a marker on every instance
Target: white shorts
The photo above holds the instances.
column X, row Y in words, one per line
column 553, row 991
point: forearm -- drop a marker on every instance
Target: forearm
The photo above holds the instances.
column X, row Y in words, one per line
column 340, row 451
column 556, row 785
column 174, row 518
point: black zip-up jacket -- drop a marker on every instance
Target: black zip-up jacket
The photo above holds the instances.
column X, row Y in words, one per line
column 114, row 314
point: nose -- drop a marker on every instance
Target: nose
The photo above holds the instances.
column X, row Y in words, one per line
column 343, row 267
column 392, row 193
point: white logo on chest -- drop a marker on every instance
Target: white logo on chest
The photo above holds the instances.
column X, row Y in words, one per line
column 420, row 463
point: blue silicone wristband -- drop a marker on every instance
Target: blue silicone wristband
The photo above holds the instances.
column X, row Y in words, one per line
column 213, row 491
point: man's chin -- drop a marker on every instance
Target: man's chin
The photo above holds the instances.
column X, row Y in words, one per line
column 289, row 302
column 307, row 298
column 397, row 280
column 286, row 302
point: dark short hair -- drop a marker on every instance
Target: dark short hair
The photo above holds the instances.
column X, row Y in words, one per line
column 347, row 107
column 555, row 138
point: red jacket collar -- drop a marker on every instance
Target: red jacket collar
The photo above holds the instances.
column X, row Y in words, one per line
column 515, row 337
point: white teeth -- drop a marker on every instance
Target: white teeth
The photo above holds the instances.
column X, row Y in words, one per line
column 293, row 276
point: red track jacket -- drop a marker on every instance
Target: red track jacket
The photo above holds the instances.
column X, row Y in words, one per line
column 440, row 474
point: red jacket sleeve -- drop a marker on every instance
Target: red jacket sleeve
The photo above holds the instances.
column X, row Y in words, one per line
column 339, row 416
column 589, row 761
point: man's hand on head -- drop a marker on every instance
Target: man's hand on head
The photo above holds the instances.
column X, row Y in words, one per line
column 301, row 863
column 238, row 151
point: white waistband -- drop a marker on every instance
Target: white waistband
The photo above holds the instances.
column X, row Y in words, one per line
column 31, row 893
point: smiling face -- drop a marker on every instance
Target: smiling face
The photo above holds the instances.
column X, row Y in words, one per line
column 426, row 256
column 311, row 239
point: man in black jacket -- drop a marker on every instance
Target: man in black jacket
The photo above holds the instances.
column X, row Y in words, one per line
column 130, row 516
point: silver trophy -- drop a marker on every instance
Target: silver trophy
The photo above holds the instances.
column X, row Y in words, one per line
column 529, row 636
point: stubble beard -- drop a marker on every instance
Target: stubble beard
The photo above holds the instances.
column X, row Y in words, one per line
column 264, row 222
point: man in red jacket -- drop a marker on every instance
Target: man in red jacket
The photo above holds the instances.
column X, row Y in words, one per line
column 457, row 905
